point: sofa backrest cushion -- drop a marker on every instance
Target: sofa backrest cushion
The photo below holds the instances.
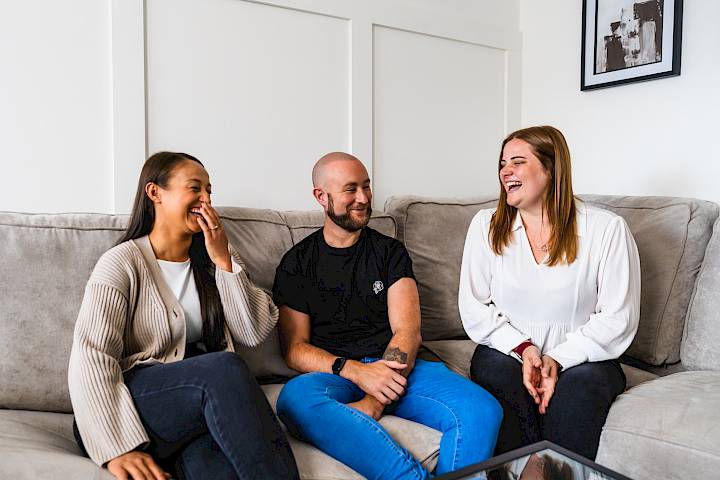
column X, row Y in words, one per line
column 671, row 234
column 702, row 331
column 261, row 237
column 433, row 230
column 46, row 262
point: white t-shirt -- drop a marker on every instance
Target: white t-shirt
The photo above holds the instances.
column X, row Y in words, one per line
column 586, row 311
column 180, row 279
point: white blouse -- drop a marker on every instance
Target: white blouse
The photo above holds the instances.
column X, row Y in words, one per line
column 586, row 311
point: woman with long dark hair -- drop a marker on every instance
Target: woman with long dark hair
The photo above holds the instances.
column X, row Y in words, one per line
column 154, row 382
column 550, row 290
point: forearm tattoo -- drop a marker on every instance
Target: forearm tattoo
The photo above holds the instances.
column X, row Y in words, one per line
column 394, row 353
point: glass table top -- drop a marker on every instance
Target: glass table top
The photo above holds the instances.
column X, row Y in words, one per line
column 540, row 461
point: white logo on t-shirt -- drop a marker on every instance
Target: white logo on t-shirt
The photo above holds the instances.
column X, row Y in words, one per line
column 378, row 287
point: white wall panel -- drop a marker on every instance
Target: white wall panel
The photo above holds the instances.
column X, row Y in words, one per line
column 257, row 92
column 55, row 106
column 439, row 115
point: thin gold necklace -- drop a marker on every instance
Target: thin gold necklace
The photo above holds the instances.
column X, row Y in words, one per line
column 542, row 248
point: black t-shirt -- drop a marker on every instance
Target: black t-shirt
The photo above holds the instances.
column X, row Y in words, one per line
column 343, row 290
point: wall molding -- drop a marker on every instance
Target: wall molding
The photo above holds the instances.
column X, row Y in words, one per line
column 129, row 70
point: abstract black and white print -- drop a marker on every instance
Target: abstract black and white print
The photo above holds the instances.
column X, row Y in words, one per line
column 629, row 33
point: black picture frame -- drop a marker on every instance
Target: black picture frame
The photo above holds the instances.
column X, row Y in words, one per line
column 473, row 470
column 638, row 45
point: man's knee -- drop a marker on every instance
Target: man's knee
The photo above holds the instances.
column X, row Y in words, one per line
column 294, row 406
column 296, row 394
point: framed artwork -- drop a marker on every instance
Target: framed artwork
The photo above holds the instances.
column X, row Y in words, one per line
column 626, row 41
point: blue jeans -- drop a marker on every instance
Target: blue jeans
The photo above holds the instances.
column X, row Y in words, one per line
column 313, row 408
column 208, row 418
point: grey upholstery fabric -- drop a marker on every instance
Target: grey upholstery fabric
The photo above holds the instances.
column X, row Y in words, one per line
column 46, row 261
column 41, row 445
column 422, row 442
column 456, row 354
column 635, row 376
column 672, row 235
column 262, row 238
column 433, row 231
column 702, row 331
column 666, row 428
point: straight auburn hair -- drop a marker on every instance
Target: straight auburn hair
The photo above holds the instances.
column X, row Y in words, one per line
column 549, row 146
column 158, row 169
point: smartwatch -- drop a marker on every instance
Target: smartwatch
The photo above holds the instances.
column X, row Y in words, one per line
column 338, row 365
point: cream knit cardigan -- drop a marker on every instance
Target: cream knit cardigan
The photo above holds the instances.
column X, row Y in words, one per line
column 128, row 316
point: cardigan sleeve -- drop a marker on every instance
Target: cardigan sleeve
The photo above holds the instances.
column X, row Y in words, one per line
column 612, row 327
column 249, row 311
column 483, row 321
column 104, row 410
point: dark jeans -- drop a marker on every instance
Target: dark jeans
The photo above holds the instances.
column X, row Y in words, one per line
column 577, row 409
column 208, row 418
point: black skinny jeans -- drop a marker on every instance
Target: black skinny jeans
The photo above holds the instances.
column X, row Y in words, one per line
column 208, row 418
column 577, row 410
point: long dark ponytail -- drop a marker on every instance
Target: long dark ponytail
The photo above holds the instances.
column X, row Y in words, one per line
column 158, row 169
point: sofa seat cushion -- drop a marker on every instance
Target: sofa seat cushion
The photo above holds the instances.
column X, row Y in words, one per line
column 41, row 445
column 422, row 442
column 666, row 428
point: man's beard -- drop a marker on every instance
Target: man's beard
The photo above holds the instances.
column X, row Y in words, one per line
column 345, row 221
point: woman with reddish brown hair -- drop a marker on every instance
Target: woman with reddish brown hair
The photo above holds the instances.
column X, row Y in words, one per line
column 550, row 290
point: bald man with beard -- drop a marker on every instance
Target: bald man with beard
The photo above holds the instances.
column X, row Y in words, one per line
column 350, row 322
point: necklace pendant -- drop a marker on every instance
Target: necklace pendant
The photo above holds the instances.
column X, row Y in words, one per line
column 544, row 248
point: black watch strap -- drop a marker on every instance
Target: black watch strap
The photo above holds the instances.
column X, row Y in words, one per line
column 338, row 365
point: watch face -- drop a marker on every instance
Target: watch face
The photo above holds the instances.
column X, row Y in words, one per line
column 338, row 364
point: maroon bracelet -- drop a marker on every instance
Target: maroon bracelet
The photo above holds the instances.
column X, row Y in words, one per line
column 521, row 348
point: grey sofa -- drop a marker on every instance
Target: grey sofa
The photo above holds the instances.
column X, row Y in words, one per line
column 666, row 425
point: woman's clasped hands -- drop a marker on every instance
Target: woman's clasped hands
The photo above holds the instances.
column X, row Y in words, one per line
column 540, row 376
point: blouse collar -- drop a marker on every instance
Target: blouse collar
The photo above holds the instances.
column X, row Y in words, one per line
column 580, row 218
